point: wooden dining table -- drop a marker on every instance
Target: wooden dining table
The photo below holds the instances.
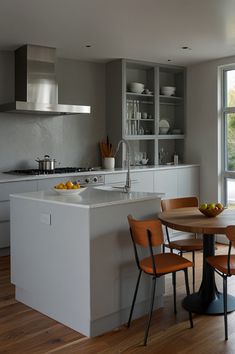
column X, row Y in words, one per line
column 207, row 300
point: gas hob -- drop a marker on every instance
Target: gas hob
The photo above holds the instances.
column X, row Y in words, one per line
column 59, row 170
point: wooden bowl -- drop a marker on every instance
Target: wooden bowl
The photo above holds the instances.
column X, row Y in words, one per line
column 211, row 213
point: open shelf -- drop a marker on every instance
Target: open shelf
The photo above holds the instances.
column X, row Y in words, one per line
column 170, row 136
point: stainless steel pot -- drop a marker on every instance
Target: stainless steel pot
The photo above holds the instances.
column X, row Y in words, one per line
column 46, row 164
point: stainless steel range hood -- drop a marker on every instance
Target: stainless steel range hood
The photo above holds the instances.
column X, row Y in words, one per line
column 36, row 88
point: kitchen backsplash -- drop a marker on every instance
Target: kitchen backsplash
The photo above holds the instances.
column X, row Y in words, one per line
column 71, row 140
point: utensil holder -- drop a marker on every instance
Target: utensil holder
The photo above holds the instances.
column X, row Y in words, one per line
column 109, row 163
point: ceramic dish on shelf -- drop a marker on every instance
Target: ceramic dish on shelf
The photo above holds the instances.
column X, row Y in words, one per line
column 144, row 161
column 168, row 90
column 164, row 124
column 136, row 87
column 69, row 191
column 163, row 130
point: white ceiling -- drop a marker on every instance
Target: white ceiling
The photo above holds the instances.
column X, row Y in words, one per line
column 152, row 30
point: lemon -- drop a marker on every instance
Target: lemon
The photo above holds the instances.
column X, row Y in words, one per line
column 69, row 185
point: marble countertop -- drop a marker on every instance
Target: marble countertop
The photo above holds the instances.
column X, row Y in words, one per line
column 92, row 197
column 4, row 177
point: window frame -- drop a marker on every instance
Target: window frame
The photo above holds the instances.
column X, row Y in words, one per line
column 224, row 112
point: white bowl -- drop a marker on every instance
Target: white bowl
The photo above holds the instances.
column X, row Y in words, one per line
column 168, row 90
column 70, row 191
column 136, row 87
column 163, row 130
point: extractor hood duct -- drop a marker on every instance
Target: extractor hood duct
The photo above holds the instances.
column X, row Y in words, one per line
column 36, row 88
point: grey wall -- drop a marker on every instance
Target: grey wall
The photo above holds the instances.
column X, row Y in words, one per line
column 203, row 139
column 72, row 140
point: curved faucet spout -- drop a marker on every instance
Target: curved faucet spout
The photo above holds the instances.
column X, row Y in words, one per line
column 127, row 186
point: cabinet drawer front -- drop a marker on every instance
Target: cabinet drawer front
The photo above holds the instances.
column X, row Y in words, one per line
column 116, row 178
column 16, row 187
column 49, row 183
column 4, row 211
column 4, row 234
column 166, row 182
column 142, row 181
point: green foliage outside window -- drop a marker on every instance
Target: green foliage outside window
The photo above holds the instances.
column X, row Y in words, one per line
column 231, row 132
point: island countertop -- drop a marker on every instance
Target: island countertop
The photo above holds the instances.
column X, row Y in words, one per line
column 92, row 197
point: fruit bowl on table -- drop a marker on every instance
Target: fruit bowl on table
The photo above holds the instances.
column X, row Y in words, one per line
column 211, row 212
column 69, row 191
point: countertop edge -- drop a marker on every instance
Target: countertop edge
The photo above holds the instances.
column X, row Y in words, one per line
column 138, row 197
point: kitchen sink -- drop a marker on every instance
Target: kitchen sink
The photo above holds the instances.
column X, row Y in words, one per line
column 110, row 188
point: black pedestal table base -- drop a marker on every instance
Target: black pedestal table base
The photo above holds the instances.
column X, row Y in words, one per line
column 208, row 300
column 196, row 304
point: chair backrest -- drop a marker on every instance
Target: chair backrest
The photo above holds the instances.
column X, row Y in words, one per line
column 186, row 202
column 141, row 228
column 230, row 233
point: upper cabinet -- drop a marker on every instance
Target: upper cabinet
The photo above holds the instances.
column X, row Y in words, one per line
column 139, row 113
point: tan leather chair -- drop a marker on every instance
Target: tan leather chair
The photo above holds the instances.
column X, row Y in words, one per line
column 224, row 265
column 183, row 245
column 148, row 234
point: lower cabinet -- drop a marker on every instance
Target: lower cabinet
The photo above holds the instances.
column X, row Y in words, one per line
column 6, row 189
column 177, row 182
column 49, row 183
column 4, row 234
column 173, row 182
column 141, row 181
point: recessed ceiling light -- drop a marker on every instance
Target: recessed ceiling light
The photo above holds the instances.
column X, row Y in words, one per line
column 185, row 47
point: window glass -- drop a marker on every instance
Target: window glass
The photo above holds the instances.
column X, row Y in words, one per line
column 230, row 141
column 230, row 192
column 230, row 88
column 228, row 138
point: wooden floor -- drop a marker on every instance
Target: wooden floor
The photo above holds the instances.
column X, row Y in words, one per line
column 23, row 330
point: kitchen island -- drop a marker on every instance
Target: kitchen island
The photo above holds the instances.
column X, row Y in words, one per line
column 72, row 258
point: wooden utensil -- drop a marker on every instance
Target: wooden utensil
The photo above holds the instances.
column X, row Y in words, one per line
column 106, row 149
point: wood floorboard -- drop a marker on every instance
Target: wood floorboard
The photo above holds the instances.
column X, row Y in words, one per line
column 26, row 331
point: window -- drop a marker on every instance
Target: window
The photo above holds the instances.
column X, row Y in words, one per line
column 228, row 119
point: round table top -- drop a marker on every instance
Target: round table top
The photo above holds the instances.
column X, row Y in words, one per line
column 192, row 220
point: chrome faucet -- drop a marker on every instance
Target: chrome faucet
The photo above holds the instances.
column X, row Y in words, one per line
column 127, row 186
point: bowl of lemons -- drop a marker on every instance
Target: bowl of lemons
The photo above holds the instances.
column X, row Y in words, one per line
column 69, row 188
column 211, row 210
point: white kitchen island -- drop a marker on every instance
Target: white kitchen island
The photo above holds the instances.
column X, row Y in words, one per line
column 72, row 257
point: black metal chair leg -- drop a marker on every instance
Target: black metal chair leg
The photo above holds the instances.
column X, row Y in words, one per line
column 174, row 290
column 188, row 293
column 134, row 298
column 225, row 307
column 193, row 269
column 150, row 310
